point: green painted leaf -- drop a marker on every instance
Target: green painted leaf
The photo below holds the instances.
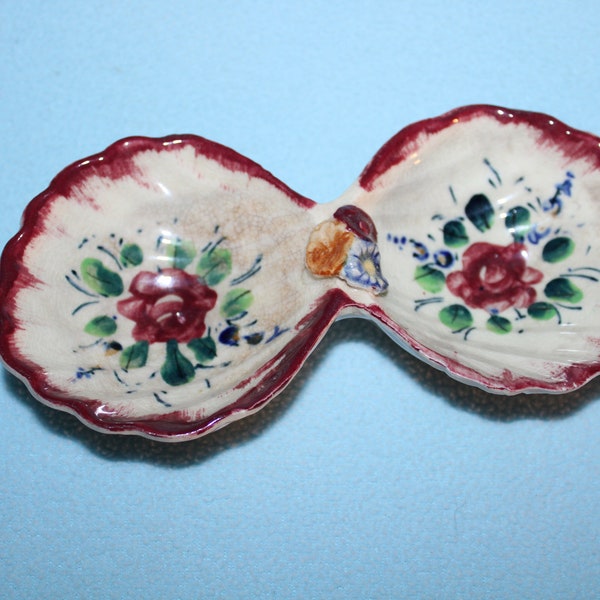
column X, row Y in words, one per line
column 542, row 311
column 564, row 290
column 204, row 349
column 214, row 265
column 236, row 301
column 176, row 369
column 101, row 326
column 180, row 252
column 134, row 356
column 480, row 212
column 517, row 221
column 131, row 255
column 455, row 234
column 558, row 249
column 430, row 279
column 499, row 325
column 456, row 317
column 100, row 279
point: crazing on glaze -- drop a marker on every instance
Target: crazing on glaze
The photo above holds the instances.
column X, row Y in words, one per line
column 162, row 313
column 167, row 287
column 346, row 246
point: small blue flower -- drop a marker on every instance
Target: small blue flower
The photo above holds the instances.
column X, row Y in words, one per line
column 443, row 259
column 363, row 267
column 565, row 187
column 85, row 373
column 420, row 250
column 230, row 336
column 554, row 205
column 534, row 236
column 254, row 338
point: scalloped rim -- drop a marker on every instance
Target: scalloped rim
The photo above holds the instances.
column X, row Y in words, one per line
column 115, row 162
column 574, row 144
column 273, row 377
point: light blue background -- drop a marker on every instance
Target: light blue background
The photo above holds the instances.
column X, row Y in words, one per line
column 372, row 476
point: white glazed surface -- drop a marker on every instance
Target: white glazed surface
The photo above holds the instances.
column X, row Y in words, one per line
column 175, row 194
column 414, row 200
column 190, row 210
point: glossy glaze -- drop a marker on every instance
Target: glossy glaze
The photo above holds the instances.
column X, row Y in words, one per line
column 183, row 285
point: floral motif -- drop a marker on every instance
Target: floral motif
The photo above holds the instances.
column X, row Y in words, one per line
column 495, row 277
column 328, row 248
column 363, row 267
column 346, row 246
column 357, row 221
column 168, row 305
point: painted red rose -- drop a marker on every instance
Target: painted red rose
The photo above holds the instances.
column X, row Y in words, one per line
column 170, row 305
column 495, row 277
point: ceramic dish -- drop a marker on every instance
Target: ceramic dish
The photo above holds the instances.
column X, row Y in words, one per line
column 167, row 287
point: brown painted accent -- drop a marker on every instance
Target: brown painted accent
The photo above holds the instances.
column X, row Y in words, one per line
column 328, row 248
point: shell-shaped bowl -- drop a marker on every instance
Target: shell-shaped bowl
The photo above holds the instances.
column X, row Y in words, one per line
column 167, row 287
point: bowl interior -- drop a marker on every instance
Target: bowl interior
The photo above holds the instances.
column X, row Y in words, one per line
column 488, row 238
column 169, row 289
